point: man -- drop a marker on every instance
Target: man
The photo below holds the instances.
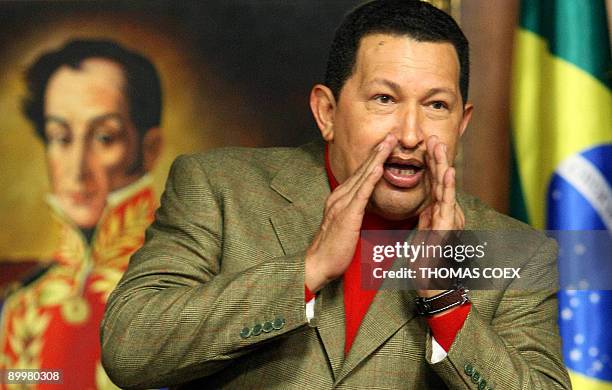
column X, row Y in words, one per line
column 217, row 295
column 97, row 108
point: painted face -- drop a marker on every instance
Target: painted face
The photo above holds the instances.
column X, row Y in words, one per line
column 407, row 88
column 92, row 142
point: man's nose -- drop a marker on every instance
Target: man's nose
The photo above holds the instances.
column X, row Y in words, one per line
column 410, row 132
column 80, row 161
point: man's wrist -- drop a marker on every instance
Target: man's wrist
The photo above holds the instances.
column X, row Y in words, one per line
column 314, row 279
column 429, row 293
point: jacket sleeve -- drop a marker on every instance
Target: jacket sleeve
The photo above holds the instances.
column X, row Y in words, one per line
column 519, row 348
column 173, row 316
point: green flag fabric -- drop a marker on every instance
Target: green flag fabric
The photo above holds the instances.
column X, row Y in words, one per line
column 562, row 158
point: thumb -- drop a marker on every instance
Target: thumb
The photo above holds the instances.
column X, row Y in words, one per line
column 425, row 219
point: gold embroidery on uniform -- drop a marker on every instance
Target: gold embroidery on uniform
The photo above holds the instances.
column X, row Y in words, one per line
column 109, row 277
column 29, row 325
column 54, row 292
column 115, row 243
column 120, row 232
column 72, row 249
column 75, row 310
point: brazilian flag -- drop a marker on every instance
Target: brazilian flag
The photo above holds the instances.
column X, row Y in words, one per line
column 562, row 158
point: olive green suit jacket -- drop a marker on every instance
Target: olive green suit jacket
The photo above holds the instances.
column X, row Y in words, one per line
column 226, row 252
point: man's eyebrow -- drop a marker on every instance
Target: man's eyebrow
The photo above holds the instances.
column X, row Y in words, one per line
column 54, row 118
column 94, row 120
column 391, row 84
column 100, row 118
column 434, row 91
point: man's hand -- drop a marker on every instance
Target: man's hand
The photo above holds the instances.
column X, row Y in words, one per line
column 334, row 245
column 443, row 213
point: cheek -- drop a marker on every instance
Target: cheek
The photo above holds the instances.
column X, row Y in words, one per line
column 447, row 134
column 353, row 151
column 115, row 162
column 57, row 170
column 358, row 138
column 113, row 157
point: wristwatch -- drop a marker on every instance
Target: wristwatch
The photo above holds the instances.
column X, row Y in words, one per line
column 443, row 301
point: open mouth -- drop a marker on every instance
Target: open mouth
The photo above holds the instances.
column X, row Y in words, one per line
column 403, row 173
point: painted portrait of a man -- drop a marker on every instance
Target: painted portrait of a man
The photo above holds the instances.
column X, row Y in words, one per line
column 96, row 106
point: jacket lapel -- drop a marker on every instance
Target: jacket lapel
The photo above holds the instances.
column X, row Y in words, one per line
column 331, row 326
column 389, row 311
column 303, row 183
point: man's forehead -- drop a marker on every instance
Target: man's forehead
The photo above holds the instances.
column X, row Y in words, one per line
column 394, row 53
column 96, row 82
column 399, row 45
column 93, row 70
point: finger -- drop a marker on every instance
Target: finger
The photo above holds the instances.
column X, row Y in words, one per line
column 361, row 197
column 435, row 216
column 363, row 168
column 425, row 219
column 378, row 159
column 431, row 164
column 350, row 182
column 458, row 224
column 345, row 193
column 442, row 165
column 459, row 217
column 344, row 196
column 447, row 206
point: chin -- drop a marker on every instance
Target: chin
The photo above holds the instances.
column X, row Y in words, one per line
column 85, row 222
column 396, row 204
column 84, row 218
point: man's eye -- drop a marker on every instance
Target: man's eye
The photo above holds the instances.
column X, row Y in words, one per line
column 438, row 105
column 105, row 139
column 384, row 99
column 60, row 139
column 105, row 136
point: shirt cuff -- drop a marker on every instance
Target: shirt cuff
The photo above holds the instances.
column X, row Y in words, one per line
column 437, row 352
column 308, row 294
column 310, row 303
column 445, row 327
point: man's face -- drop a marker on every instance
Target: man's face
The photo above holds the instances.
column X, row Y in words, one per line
column 409, row 89
column 92, row 141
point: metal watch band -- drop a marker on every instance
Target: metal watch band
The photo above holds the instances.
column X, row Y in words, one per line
column 441, row 302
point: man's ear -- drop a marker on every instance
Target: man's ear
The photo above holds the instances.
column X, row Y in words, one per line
column 152, row 145
column 467, row 115
column 323, row 106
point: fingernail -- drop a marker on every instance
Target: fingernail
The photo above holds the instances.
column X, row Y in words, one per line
column 445, row 148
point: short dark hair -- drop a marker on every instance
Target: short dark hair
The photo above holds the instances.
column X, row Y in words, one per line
column 416, row 19
column 142, row 88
